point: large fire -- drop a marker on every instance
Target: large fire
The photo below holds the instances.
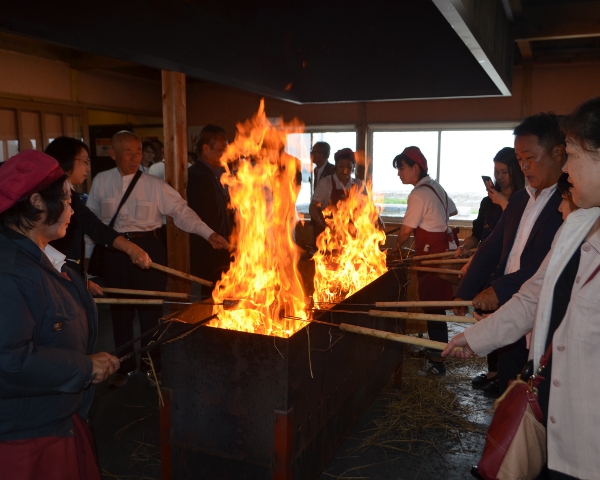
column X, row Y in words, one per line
column 349, row 255
column 263, row 275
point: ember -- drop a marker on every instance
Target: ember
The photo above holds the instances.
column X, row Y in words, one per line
column 263, row 274
column 349, row 255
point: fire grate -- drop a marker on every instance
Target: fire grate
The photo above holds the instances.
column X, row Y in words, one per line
column 247, row 406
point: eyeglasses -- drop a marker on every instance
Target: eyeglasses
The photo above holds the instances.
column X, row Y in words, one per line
column 85, row 160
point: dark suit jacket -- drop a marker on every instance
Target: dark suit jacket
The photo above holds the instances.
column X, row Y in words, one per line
column 206, row 197
column 487, row 267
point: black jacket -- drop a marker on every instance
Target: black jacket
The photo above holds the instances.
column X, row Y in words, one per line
column 487, row 267
column 49, row 327
column 328, row 170
column 207, row 198
column 83, row 222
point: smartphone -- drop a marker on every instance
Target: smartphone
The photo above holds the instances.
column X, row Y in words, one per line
column 487, row 179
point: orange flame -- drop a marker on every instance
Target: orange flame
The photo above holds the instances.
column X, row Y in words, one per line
column 263, row 275
column 348, row 256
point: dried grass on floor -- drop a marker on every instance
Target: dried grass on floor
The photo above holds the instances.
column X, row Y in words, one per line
column 426, row 411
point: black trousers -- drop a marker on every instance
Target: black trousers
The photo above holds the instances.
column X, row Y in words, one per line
column 511, row 360
column 437, row 331
column 119, row 272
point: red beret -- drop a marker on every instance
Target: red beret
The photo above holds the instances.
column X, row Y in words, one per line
column 27, row 172
column 344, row 153
column 414, row 154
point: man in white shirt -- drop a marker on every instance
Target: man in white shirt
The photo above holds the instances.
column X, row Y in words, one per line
column 138, row 220
column 523, row 236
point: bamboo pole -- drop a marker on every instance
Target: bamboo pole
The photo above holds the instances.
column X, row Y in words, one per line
column 177, row 273
column 445, row 262
column 422, row 316
column 439, row 255
column 446, row 271
column 130, row 301
column 425, row 303
column 148, row 293
column 396, row 337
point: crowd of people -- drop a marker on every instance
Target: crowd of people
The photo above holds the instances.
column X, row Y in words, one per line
column 531, row 282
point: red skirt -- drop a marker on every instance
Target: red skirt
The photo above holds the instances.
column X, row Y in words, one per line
column 431, row 286
column 51, row 458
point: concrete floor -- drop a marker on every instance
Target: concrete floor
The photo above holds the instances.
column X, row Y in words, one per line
column 125, row 423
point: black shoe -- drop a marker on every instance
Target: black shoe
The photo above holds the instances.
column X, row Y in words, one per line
column 475, row 472
column 491, row 389
column 481, row 380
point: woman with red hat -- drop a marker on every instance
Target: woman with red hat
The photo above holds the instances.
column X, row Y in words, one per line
column 427, row 216
column 49, row 327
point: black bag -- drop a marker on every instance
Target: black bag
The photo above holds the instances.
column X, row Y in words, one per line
column 96, row 265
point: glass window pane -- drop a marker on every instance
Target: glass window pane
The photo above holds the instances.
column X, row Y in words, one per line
column 388, row 191
column 465, row 156
column 32, row 131
column 9, row 144
column 53, row 123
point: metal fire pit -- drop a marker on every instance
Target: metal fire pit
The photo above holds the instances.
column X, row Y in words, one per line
column 245, row 406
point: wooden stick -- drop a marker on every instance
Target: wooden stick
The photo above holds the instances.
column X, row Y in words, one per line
column 130, row 301
column 148, row 293
column 425, row 303
column 439, row 255
column 445, row 262
column 396, row 337
column 177, row 273
column 422, row 316
column 446, row 271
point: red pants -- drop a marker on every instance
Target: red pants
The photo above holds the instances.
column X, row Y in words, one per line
column 51, row 458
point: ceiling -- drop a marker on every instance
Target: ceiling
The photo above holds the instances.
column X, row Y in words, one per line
column 312, row 51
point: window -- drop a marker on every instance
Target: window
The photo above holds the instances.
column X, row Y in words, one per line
column 456, row 158
column 299, row 146
column 33, row 125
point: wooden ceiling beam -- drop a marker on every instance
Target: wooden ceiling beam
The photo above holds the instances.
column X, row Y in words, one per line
column 525, row 49
column 95, row 62
column 559, row 22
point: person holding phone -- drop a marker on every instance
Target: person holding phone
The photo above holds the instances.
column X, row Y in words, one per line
column 509, row 179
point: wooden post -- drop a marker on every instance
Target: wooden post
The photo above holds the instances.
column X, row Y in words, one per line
column 364, row 170
column 175, row 134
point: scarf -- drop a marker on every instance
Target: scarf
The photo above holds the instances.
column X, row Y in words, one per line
column 568, row 239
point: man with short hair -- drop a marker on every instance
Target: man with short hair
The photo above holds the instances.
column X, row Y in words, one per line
column 138, row 221
column 209, row 199
column 320, row 157
column 523, row 236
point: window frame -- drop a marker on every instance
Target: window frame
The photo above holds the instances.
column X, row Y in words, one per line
column 428, row 127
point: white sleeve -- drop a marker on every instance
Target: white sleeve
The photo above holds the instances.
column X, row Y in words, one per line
column 415, row 211
column 511, row 321
column 322, row 192
column 170, row 203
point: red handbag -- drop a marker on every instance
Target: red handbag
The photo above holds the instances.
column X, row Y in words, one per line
column 515, row 444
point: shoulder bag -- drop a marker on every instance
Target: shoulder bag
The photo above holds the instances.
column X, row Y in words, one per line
column 515, row 444
column 96, row 265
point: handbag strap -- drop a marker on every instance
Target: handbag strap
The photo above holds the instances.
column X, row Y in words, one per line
column 134, row 180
